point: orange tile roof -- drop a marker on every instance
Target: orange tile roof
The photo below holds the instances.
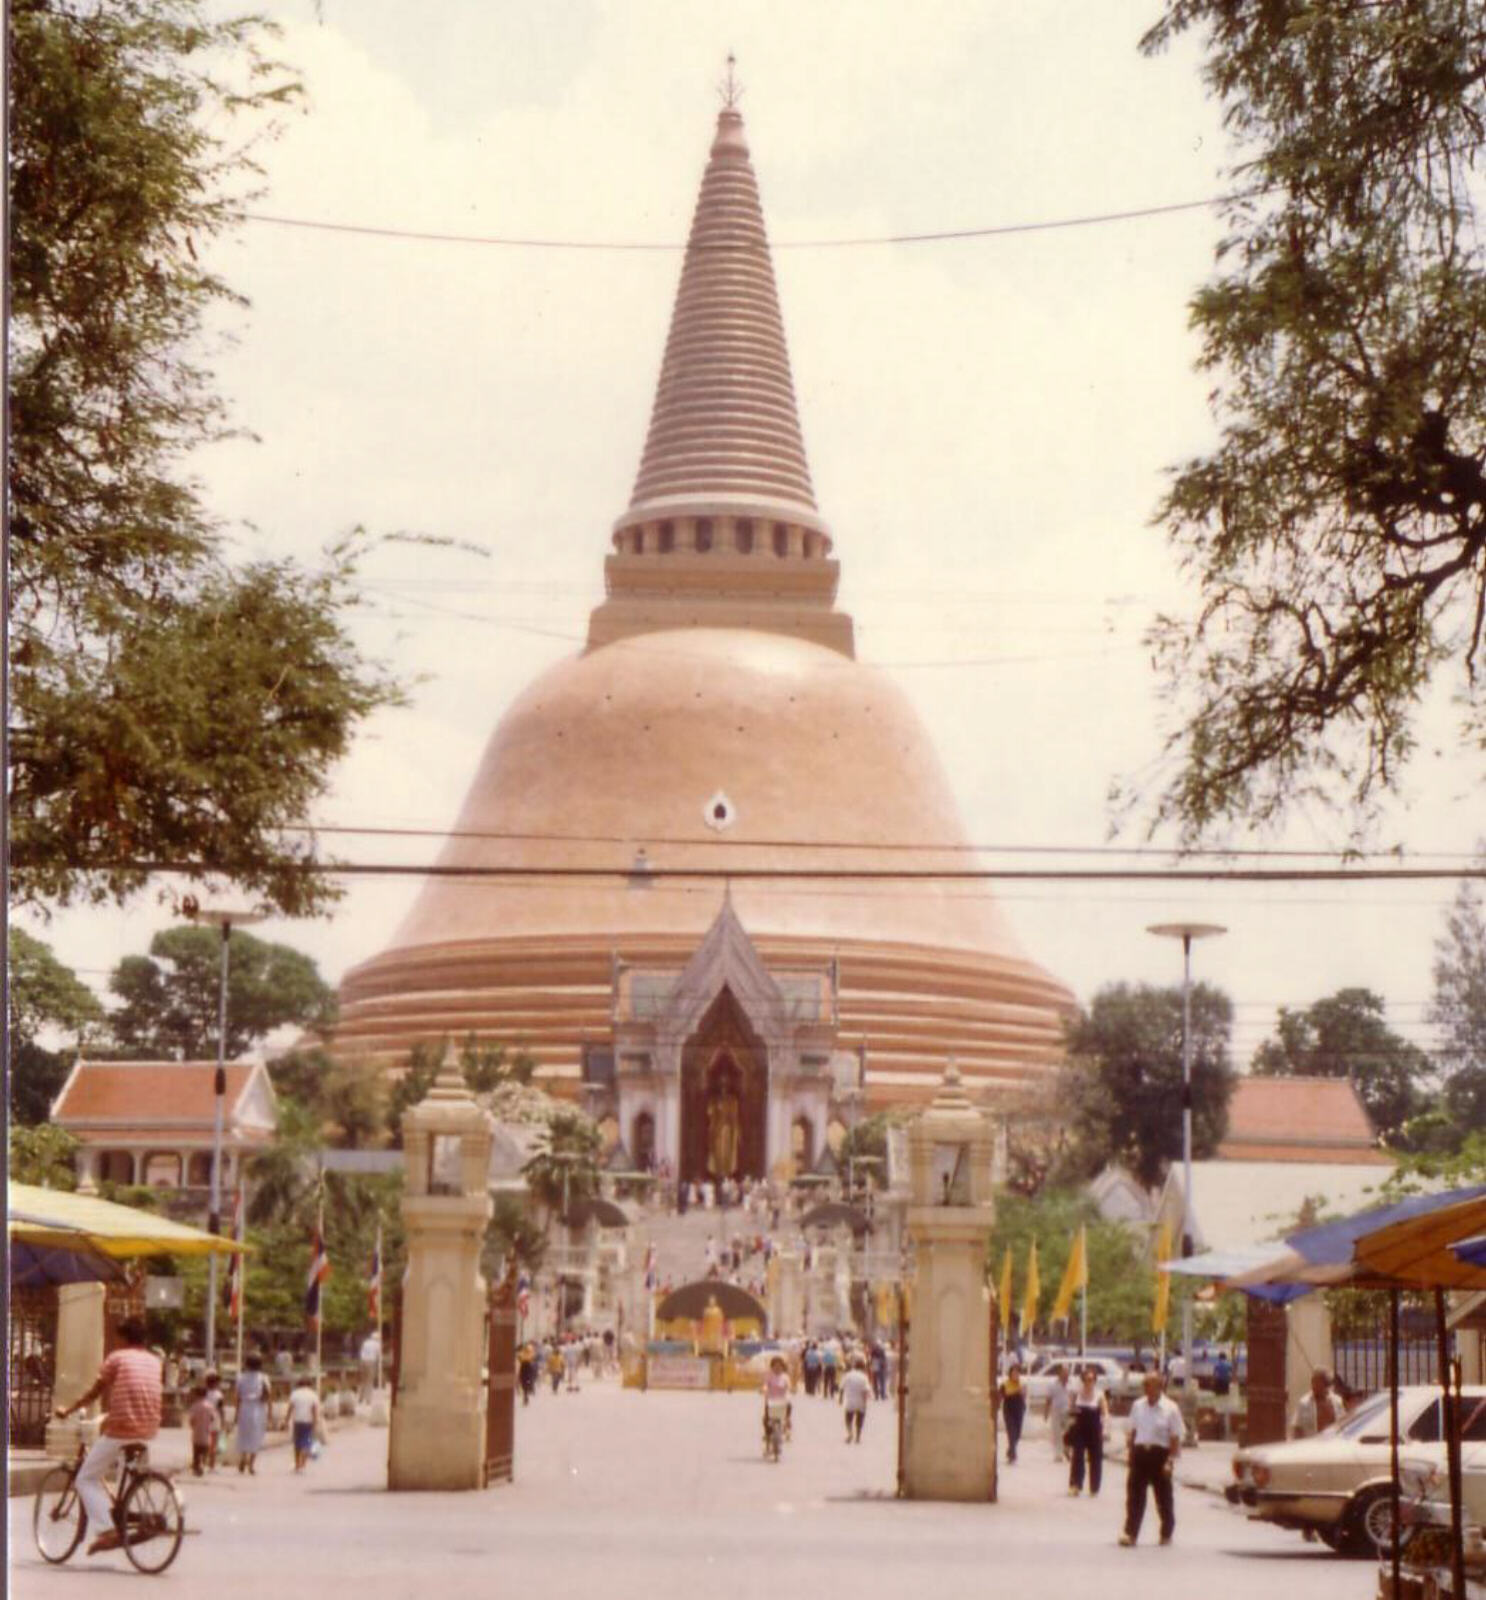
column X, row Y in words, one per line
column 149, row 1093
column 1299, row 1119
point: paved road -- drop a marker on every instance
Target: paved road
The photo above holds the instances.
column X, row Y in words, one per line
column 632, row 1496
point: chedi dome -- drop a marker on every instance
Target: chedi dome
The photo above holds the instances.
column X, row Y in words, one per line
column 677, row 876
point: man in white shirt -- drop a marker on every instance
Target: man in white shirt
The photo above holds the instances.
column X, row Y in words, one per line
column 1318, row 1408
column 1154, row 1430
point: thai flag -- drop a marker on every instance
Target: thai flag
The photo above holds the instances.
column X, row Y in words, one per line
column 318, row 1273
column 523, row 1293
column 650, row 1269
column 374, row 1283
column 235, row 1265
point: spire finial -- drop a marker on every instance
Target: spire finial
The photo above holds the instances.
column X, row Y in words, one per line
column 730, row 89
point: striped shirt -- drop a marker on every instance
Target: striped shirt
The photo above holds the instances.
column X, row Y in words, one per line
column 131, row 1394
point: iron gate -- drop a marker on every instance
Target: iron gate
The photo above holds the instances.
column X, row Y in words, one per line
column 500, row 1401
column 33, row 1364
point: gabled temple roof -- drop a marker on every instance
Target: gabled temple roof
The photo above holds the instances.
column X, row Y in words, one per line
column 1299, row 1119
column 153, row 1099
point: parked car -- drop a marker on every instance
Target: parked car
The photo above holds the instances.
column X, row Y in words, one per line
column 1337, row 1484
column 1115, row 1378
column 1425, row 1488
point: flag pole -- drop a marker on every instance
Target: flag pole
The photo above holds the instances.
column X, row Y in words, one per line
column 381, row 1279
column 242, row 1274
column 320, row 1302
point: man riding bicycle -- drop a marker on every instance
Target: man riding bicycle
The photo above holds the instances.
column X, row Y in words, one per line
column 130, row 1384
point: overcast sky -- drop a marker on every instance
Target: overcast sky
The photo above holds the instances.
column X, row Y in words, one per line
column 988, row 419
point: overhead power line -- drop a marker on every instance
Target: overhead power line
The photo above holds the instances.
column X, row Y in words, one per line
column 652, row 872
column 669, row 247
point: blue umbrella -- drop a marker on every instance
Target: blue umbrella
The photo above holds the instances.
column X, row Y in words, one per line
column 32, row 1266
column 1471, row 1251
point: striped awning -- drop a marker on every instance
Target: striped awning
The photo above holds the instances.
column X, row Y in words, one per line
column 67, row 1221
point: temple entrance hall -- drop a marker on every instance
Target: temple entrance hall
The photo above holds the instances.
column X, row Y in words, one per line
column 724, row 1097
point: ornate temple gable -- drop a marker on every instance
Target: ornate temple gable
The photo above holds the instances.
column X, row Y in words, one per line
column 726, row 958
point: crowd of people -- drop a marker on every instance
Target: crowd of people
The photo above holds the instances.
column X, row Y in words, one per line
column 562, row 1358
column 1079, row 1426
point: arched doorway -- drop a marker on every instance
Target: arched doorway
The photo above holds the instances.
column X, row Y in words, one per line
column 642, row 1142
column 724, row 1097
column 802, row 1144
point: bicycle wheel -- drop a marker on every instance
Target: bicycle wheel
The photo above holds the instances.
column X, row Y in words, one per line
column 153, row 1522
column 58, row 1520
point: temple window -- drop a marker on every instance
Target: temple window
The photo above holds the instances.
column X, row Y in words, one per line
column 781, row 539
column 199, row 1170
column 667, row 538
column 162, row 1170
column 744, row 537
column 704, row 533
column 116, row 1166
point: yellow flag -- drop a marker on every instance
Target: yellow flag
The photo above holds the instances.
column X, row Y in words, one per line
column 1003, row 1293
column 1075, row 1277
column 1031, row 1293
column 1163, row 1279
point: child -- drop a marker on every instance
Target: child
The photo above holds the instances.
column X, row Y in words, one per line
column 304, row 1418
column 202, row 1417
column 218, row 1405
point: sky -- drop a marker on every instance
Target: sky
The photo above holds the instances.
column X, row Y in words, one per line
column 989, row 420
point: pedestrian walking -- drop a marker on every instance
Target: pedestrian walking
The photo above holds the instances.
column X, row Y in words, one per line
column 830, row 1359
column 856, row 1386
column 1154, row 1429
column 1057, row 1409
column 526, row 1372
column 304, row 1420
column 201, row 1418
column 253, row 1407
column 555, row 1367
column 810, row 1362
column 877, row 1365
column 1088, row 1425
column 1222, row 1374
column 1318, row 1408
column 215, row 1401
column 1013, row 1407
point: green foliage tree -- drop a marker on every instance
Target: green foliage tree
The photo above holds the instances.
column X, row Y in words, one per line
column 515, row 1235
column 565, row 1166
column 489, row 1069
column 1345, row 1036
column 171, row 996
column 1123, row 1082
column 43, row 1154
column 1337, row 534
column 42, row 994
column 1458, row 1011
column 281, row 1178
column 165, row 707
column 864, row 1150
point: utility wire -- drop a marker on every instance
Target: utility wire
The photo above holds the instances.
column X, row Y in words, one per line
column 863, row 241
column 652, row 872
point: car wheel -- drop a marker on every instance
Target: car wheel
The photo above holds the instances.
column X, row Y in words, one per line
column 1369, row 1523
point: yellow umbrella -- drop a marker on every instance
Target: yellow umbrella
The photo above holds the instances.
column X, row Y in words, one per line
column 55, row 1217
column 1417, row 1251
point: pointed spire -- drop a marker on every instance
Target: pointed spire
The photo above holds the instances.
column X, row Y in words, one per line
column 725, row 429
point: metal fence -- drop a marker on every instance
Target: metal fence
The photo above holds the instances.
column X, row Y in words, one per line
column 1360, row 1343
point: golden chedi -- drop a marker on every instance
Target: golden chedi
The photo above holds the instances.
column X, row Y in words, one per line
column 677, row 876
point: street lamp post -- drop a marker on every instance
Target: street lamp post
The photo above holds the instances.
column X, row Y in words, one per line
column 226, row 919
column 1187, row 932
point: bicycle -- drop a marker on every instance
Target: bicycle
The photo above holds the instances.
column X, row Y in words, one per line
column 147, row 1512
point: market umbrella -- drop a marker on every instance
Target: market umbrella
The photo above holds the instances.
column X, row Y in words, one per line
column 64, row 1220
column 33, row 1266
column 1471, row 1250
column 1419, row 1250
